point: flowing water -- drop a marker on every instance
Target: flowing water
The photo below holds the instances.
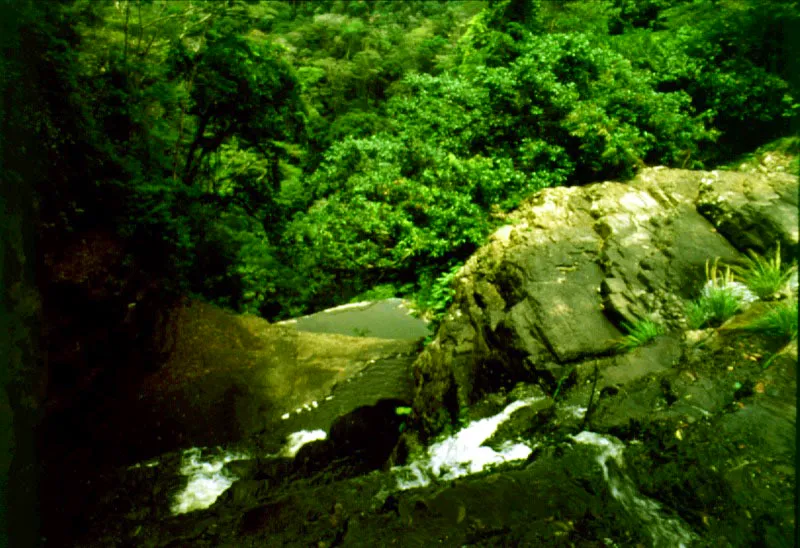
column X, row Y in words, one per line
column 206, row 474
column 208, row 479
column 462, row 453
column 458, row 455
column 453, row 457
column 666, row 532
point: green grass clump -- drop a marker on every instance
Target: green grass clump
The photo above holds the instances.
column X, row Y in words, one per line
column 714, row 308
column 696, row 314
column 763, row 276
column 719, row 302
column 779, row 322
column 639, row 333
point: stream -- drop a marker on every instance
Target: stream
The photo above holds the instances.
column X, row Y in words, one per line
column 459, row 455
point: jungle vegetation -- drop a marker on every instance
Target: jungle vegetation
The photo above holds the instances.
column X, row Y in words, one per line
column 281, row 156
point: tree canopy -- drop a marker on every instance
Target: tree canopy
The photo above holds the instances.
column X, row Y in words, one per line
column 277, row 157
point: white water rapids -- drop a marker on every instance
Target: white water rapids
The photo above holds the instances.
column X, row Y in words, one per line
column 458, row 455
column 207, row 480
column 462, row 453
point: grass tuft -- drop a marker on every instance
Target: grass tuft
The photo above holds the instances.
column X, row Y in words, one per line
column 639, row 333
column 696, row 314
column 765, row 277
column 779, row 322
column 717, row 306
column 722, row 298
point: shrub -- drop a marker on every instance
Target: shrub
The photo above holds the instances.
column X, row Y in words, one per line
column 639, row 333
column 378, row 293
column 435, row 295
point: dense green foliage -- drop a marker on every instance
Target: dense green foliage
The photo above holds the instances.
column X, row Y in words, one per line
column 282, row 156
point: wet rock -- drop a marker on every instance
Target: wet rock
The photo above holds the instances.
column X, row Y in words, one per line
column 245, row 493
column 229, row 379
column 386, row 319
column 489, row 405
column 358, row 442
column 525, row 507
column 232, row 378
column 523, row 423
column 705, row 421
column 720, row 472
column 553, row 291
column 242, row 468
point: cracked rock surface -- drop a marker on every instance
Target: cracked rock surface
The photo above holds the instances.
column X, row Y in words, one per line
column 552, row 289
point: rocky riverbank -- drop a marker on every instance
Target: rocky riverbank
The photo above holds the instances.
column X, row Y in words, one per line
column 524, row 423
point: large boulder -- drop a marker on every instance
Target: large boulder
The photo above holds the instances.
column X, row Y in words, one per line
column 550, row 291
column 752, row 212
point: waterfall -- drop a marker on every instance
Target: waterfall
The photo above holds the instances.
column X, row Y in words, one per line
column 666, row 532
column 462, row 453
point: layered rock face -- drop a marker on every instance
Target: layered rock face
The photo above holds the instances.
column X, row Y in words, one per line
column 552, row 289
column 233, row 378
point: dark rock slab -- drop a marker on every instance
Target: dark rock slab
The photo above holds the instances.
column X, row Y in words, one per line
column 753, row 212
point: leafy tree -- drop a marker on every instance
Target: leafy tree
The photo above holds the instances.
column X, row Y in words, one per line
column 731, row 61
column 193, row 123
column 287, row 155
column 238, row 89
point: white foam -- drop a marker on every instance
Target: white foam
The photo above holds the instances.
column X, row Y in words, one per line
column 793, row 281
column 287, row 322
column 575, row 410
column 462, row 454
column 362, row 304
column 207, row 480
column 297, row 440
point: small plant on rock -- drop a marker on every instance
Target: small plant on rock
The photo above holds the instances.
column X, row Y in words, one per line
column 722, row 297
column 780, row 321
column 765, row 277
column 696, row 314
column 713, row 309
column 639, row 333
